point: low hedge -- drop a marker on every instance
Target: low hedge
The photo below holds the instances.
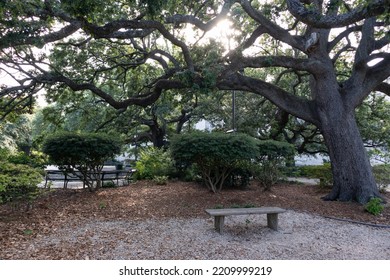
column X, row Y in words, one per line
column 18, row 182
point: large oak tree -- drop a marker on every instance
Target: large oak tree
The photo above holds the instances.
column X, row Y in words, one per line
column 339, row 48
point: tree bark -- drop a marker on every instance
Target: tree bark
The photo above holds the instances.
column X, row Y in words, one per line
column 352, row 175
column 157, row 136
column 353, row 178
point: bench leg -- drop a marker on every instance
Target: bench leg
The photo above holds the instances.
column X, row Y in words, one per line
column 218, row 223
column 272, row 221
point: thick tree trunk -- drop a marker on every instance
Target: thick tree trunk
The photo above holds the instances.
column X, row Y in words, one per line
column 157, row 134
column 158, row 138
column 352, row 174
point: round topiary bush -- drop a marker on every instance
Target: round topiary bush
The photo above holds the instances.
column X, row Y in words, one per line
column 215, row 154
column 84, row 152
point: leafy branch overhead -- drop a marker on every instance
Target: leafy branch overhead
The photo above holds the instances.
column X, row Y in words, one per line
column 129, row 33
column 135, row 52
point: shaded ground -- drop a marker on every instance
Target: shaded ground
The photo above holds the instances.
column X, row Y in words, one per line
column 144, row 200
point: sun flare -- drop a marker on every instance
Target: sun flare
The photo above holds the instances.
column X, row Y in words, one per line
column 222, row 33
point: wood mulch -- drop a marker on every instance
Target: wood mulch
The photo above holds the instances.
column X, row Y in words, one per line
column 144, row 200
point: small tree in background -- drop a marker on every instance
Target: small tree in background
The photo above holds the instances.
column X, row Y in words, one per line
column 215, row 154
column 82, row 152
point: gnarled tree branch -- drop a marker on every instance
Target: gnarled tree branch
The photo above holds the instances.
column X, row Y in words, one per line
column 315, row 19
column 294, row 105
column 273, row 29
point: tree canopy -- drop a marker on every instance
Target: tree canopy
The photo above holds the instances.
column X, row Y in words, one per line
column 314, row 59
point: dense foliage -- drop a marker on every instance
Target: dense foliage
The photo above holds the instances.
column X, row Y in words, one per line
column 154, row 163
column 274, row 150
column 382, row 175
column 215, row 154
column 18, row 182
column 374, row 206
column 84, row 152
column 322, row 172
column 230, row 159
column 315, row 60
column 272, row 155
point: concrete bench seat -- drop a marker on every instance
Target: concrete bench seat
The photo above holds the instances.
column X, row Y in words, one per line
column 219, row 215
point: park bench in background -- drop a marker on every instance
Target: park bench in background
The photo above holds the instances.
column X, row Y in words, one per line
column 219, row 215
column 75, row 176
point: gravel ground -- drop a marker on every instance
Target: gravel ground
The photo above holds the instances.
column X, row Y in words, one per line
column 301, row 236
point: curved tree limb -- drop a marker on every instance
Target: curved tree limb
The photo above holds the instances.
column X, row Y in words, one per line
column 343, row 35
column 384, row 88
column 273, row 29
column 107, row 30
column 316, row 19
column 10, row 41
column 294, row 105
column 373, row 80
column 385, row 40
column 179, row 19
column 140, row 100
column 309, row 65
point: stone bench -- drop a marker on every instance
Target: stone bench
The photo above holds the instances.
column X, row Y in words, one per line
column 219, row 215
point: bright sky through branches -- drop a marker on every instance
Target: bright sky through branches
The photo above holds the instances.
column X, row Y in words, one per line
column 222, row 33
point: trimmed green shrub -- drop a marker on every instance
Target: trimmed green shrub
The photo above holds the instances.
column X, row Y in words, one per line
column 267, row 172
column 322, row 172
column 374, row 206
column 215, row 154
column 274, row 150
column 18, row 182
column 271, row 157
column 154, row 162
column 382, row 175
column 84, row 152
column 35, row 159
column 160, row 180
